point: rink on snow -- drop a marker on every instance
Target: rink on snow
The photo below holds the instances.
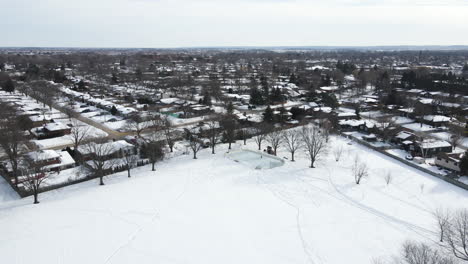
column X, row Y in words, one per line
column 216, row 210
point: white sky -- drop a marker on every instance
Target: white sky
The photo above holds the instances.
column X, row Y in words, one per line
column 185, row 23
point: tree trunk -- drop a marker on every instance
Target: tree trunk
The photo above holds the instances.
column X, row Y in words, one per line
column 36, row 201
column 128, row 172
column 194, row 155
column 245, row 141
column 312, row 163
column 213, row 149
column 152, row 166
column 259, row 146
column 292, row 156
column 229, row 144
column 171, row 147
column 101, row 179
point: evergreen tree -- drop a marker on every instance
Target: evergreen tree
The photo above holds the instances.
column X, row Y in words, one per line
column 81, row 85
column 265, row 88
column 312, row 95
column 114, row 78
column 464, row 164
column 138, row 74
column 357, row 111
column 122, row 62
column 268, row 115
column 230, row 108
column 277, row 95
column 329, row 100
column 256, row 97
column 207, row 99
column 9, row 86
column 292, row 78
column 465, row 68
column 113, row 110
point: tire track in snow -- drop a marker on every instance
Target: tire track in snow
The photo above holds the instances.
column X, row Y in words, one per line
column 416, row 229
column 308, row 252
column 155, row 216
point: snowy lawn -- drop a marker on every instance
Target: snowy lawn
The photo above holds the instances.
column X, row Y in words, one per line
column 215, row 210
column 6, row 192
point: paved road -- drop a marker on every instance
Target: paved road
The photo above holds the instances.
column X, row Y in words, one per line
column 112, row 133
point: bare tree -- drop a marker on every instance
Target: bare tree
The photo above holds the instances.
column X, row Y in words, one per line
column 100, row 153
column 69, row 112
column 456, row 136
column 456, row 234
column 338, row 152
column 153, row 150
column 275, row 138
column 244, row 134
column 79, row 134
column 443, row 220
column 388, row 177
column 11, row 139
column 169, row 132
column 314, row 143
column 136, row 123
column 413, row 253
column 261, row 132
column 195, row 144
column 34, row 175
column 130, row 160
column 213, row 134
column 385, row 125
column 293, row 141
column 326, row 128
column 359, row 169
column 229, row 125
column 45, row 92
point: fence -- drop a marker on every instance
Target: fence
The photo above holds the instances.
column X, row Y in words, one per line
column 415, row 166
column 24, row 193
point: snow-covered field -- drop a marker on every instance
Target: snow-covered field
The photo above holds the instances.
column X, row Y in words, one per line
column 215, row 210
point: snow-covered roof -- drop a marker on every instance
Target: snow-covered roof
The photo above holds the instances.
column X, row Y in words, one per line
column 437, row 118
column 403, row 135
column 42, row 155
column 113, row 147
column 65, row 160
column 55, row 126
column 169, row 100
column 346, row 114
column 434, row 144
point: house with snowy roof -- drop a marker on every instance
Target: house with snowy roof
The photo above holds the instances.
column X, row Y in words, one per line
column 111, row 150
column 432, row 147
column 450, row 161
column 51, row 130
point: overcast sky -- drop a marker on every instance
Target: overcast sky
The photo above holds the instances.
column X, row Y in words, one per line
column 187, row 23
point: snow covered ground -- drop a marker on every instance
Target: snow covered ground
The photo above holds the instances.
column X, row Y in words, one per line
column 215, row 210
column 6, row 192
